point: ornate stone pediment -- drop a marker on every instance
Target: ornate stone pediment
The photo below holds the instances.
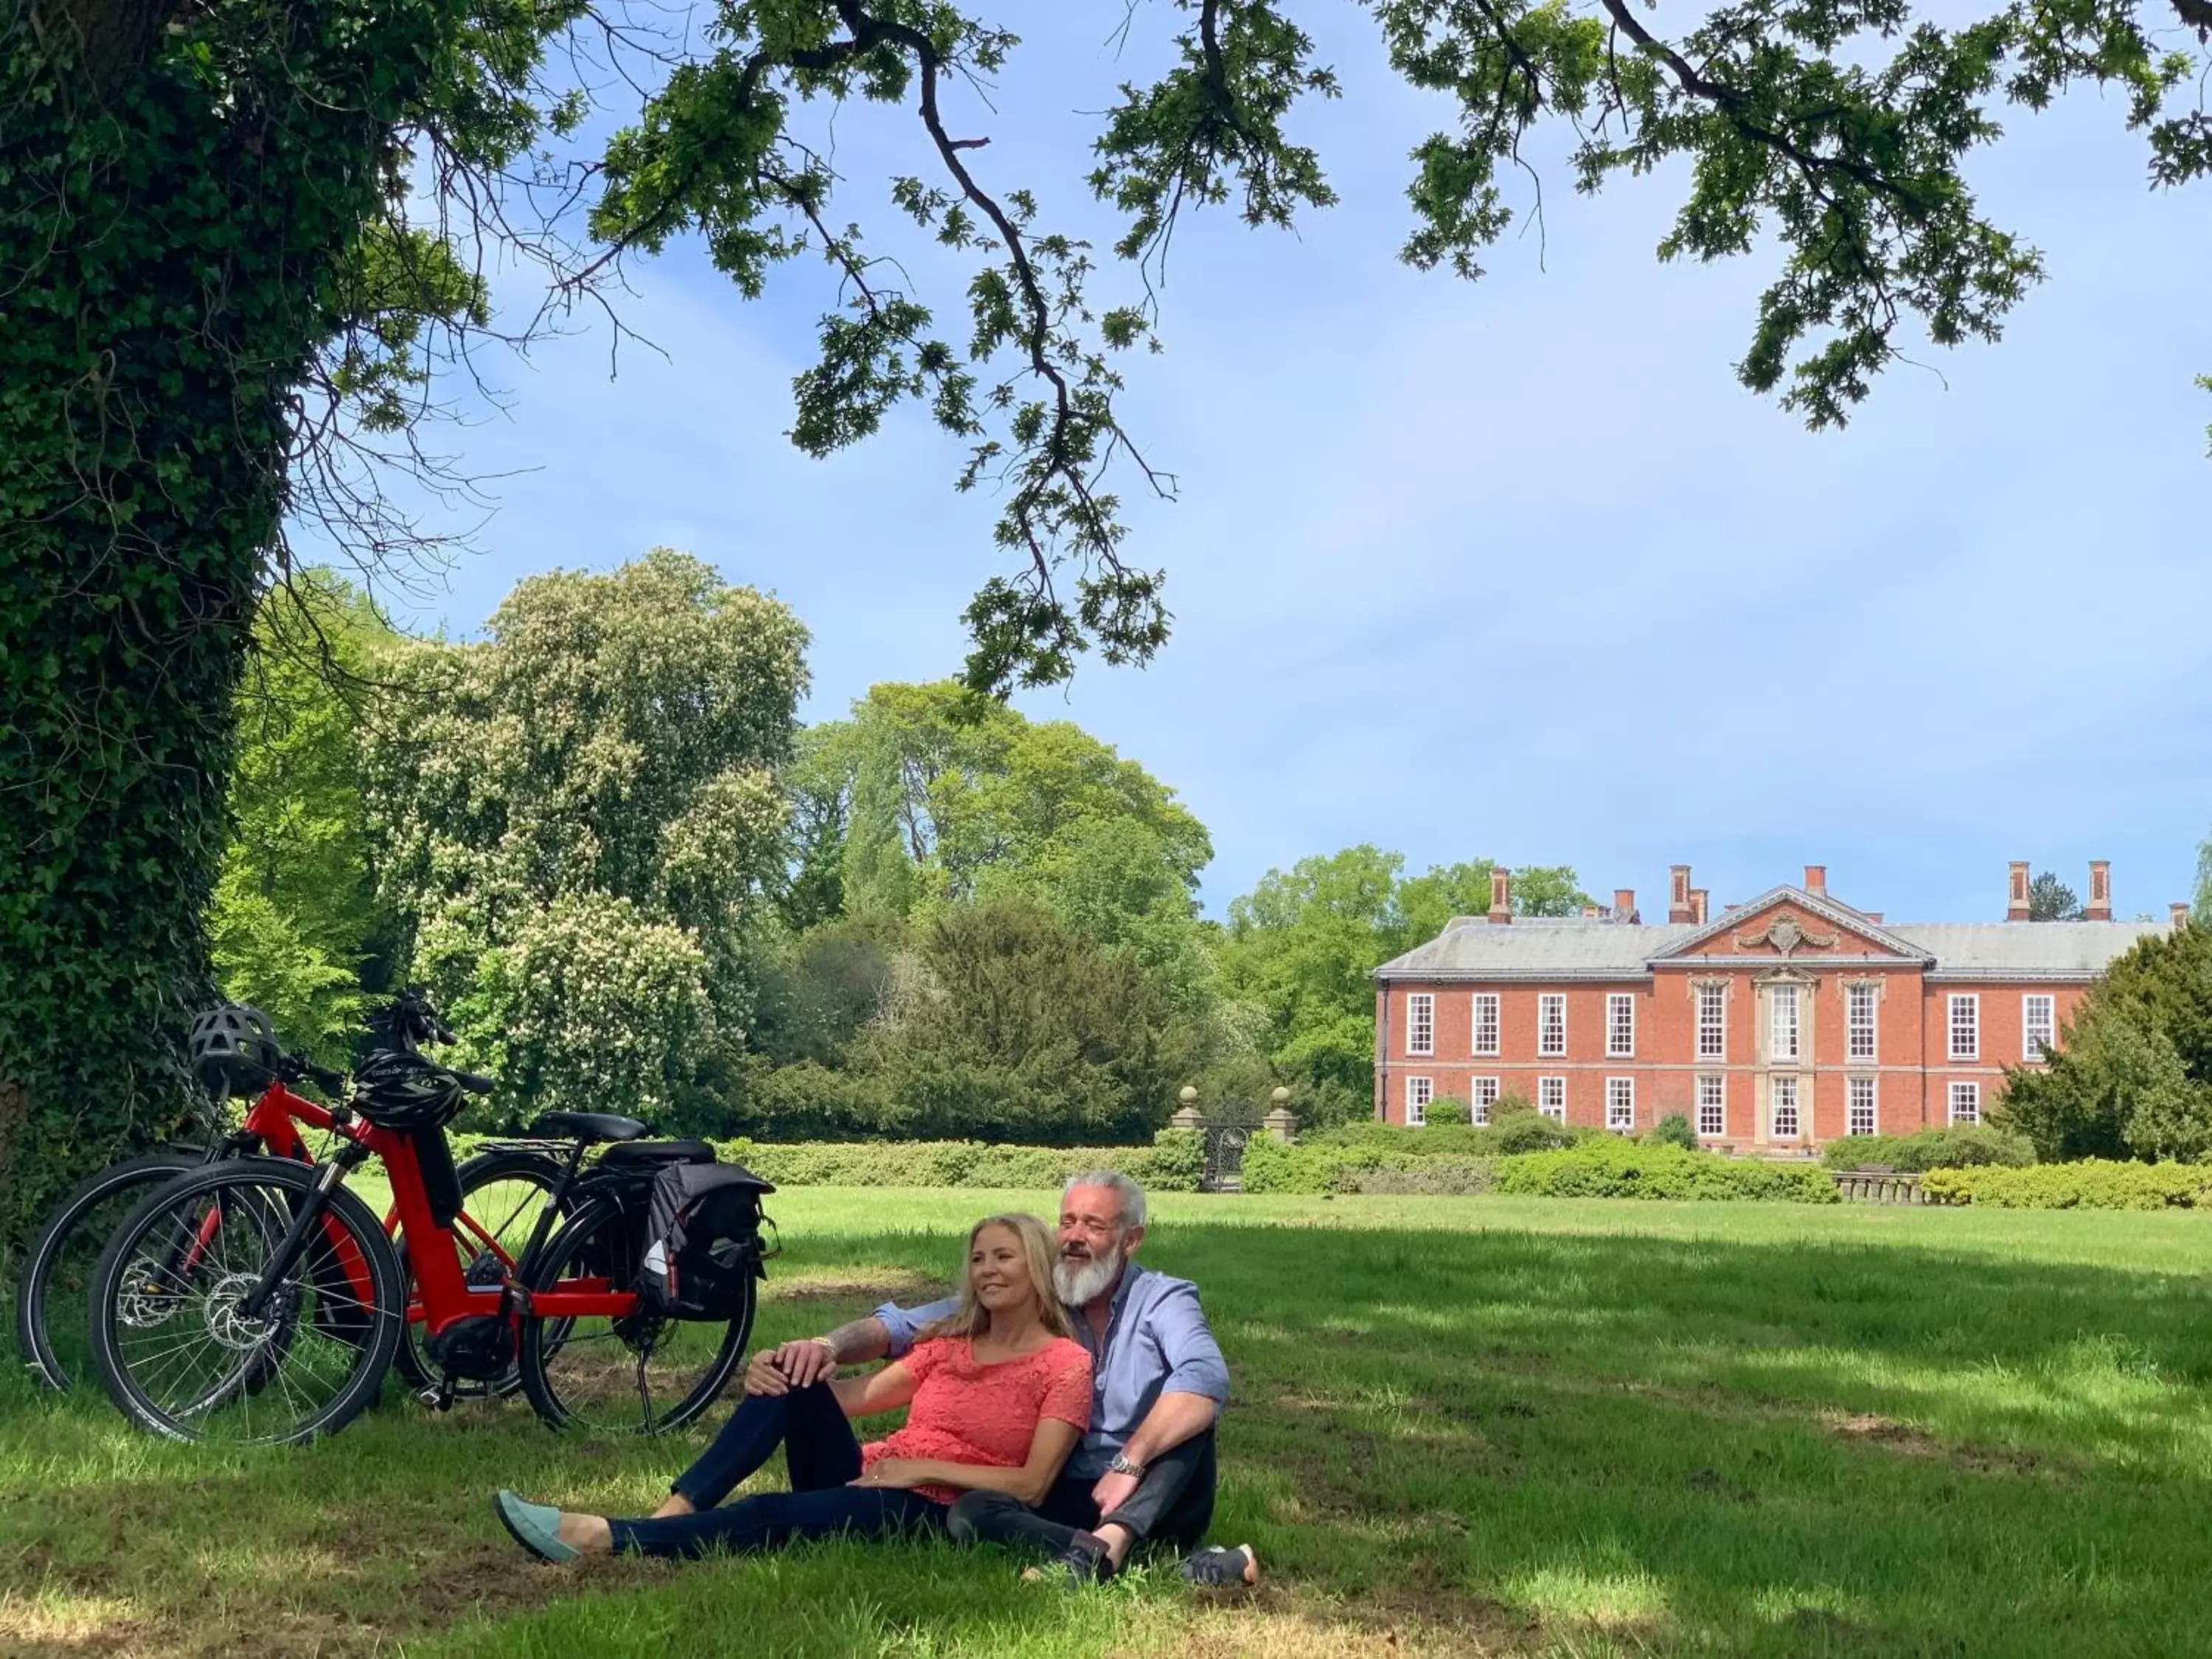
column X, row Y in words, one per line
column 1785, row 933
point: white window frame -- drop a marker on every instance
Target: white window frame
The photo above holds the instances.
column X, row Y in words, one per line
column 2030, row 1049
column 1620, row 1026
column 1620, row 1104
column 1481, row 1096
column 1863, row 1037
column 1965, row 1094
column 1713, row 1021
column 1420, row 1022
column 1776, row 1088
column 1712, row 1105
column 1419, row 1091
column 1484, row 1022
column 1861, row 1097
column 1554, row 1109
column 1551, row 1035
column 1970, row 1004
column 1778, row 998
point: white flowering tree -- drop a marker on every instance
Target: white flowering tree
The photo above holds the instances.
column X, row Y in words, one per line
column 579, row 816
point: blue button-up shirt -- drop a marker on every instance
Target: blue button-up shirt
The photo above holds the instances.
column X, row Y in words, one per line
column 1157, row 1342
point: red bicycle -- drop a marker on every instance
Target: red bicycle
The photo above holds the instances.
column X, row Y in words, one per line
column 258, row 1300
column 504, row 1187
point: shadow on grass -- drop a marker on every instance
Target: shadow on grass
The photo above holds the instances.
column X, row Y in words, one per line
column 1492, row 1442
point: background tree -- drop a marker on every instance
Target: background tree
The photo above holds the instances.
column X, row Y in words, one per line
column 2050, row 899
column 294, row 924
column 947, row 793
column 2133, row 1076
column 581, row 820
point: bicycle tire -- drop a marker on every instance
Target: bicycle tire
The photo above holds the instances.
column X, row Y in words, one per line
column 572, row 1244
column 482, row 1170
column 270, row 1187
column 34, row 1286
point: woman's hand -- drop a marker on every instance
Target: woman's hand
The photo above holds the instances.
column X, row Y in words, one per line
column 893, row 1472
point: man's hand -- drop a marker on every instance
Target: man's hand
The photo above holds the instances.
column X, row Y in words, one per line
column 1113, row 1490
column 892, row 1472
column 794, row 1365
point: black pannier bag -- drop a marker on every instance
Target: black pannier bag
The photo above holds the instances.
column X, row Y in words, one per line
column 702, row 1242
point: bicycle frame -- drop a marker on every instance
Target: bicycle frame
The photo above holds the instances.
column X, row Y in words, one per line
column 442, row 1289
column 442, row 1296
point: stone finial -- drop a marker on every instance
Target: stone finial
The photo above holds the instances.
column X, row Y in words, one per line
column 1282, row 1122
column 1186, row 1115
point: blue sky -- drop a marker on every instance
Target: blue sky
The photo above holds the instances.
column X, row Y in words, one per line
column 1513, row 569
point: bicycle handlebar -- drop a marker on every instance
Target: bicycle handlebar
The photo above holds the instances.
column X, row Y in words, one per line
column 322, row 1074
column 475, row 1082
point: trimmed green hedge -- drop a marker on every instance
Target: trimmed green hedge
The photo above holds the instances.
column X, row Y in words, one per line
column 1966, row 1145
column 1172, row 1164
column 1619, row 1168
column 2093, row 1184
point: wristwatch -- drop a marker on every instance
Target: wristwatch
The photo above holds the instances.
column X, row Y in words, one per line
column 1120, row 1464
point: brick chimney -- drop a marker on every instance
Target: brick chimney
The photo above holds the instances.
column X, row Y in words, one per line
column 1501, row 896
column 1699, row 898
column 2099, row 905
column 2179, row 912
column 1624, row 904
column 1677, row 893
column 1871, row 915
column 2016, row 899
column 1816, row 880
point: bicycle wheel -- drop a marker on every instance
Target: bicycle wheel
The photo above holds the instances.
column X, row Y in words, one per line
column 503, row 1195
column 636, row 1374
column 173, row 1345
column 50, row 1309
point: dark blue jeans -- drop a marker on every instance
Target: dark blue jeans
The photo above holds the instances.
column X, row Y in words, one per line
column 822, row 1456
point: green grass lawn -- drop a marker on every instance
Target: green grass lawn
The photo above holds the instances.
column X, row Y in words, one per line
column 1462, row 1426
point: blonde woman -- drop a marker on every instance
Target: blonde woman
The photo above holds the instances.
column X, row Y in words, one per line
column 1000, row 1395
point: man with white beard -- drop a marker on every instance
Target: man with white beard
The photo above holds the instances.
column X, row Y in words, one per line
column 1145, row 1471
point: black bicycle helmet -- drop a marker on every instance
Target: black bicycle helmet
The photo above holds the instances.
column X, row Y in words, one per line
column 397, row 1090
column 234, row 1049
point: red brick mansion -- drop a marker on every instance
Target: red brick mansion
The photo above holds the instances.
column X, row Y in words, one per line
column 1776, row 1025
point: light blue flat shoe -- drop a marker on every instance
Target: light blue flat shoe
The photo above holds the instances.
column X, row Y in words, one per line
column 536, row 1527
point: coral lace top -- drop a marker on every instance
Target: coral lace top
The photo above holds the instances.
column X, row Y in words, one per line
column 965, row 1413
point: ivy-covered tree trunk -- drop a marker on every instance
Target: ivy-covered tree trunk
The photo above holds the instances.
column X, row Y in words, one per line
column 178, row 188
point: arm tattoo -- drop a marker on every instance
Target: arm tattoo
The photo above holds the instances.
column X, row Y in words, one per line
column 859, row 1341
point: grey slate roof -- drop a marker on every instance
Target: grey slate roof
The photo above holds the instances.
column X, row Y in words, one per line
column 1579, row 947
column 2074, row 950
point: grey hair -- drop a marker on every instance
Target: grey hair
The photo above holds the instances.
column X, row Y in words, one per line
column 1131, row 1212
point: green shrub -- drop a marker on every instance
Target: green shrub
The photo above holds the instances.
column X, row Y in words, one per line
column 1672, row 1130
column 1964, row 1146
column 1393, row 1160
column 1171, row 1165
column 1525, row 1130
column 1306, row 1166
column 2090, row 1184
column 1439, row 1177
column 1620, row 1169
column 1434, row 1140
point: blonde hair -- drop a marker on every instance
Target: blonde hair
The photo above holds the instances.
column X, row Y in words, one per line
column 971, row 1318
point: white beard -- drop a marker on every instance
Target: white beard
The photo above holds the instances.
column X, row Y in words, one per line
column 1079, row 1283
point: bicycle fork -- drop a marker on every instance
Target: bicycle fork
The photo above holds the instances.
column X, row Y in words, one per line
column 349, row 1157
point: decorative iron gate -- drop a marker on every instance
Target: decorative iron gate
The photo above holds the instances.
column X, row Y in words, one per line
column 1225, row 1158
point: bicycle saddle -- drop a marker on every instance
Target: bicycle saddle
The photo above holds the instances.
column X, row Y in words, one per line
column 587, row 1126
